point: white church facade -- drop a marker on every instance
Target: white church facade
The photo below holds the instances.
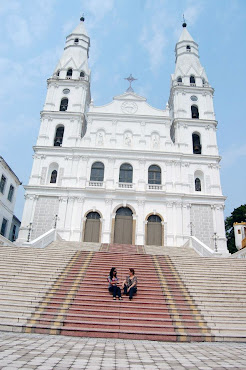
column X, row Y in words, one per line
column 126, row 172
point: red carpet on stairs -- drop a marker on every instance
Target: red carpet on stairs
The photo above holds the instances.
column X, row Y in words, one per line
column 79, row 303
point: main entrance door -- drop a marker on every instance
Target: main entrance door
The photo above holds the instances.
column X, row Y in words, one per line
column 92, row 227
column 154, row 230
column 123, row 226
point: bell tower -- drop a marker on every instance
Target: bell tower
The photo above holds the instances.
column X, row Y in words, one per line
column 63, row 124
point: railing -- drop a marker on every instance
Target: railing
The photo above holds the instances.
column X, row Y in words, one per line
column 201, row 248
column 240, row 254
column 43, row 240
column 96, row 183
column 125, row 185
column 6, row 242
column 154, row 187
column 192, row 84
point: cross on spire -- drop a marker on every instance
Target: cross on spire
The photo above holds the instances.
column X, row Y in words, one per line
column 130, row 79
column 184, row 23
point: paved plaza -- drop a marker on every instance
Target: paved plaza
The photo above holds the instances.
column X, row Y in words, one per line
column 44, row 352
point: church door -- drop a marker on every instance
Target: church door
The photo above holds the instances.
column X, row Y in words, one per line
column 154, row 230
column 92, row 227
column 123, row 226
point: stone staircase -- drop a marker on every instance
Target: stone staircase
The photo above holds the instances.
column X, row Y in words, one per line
column 62, row 289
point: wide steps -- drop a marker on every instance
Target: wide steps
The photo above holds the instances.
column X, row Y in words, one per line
column 62, row 289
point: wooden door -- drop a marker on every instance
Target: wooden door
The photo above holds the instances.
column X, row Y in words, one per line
column 123, row 230
column 154, row 231
column 92, row 230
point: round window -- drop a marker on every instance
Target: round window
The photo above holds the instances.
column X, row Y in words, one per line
column 66, row 91
column 194, row 98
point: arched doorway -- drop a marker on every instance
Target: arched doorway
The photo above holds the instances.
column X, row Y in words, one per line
column 92, row 227
column 154, row 230
column 123, row 226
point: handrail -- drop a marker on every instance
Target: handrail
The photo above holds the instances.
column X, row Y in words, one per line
column 244, row 243
column 201, row 248
column 240, row 254
column 43, row 240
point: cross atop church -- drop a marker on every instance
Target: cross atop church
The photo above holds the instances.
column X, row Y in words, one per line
column 130, row 79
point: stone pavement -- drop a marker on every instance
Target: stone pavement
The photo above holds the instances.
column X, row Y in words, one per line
column 45, row 352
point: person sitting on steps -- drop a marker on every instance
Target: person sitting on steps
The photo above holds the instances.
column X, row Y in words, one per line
column 113, row 281
column 130, row 284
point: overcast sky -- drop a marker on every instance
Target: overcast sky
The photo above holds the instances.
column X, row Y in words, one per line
column 127, row 36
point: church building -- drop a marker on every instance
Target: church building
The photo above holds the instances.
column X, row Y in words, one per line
column 126, row 172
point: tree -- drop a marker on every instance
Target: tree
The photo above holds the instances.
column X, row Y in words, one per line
column 238, row 215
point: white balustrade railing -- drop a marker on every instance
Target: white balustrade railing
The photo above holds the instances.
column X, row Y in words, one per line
column 154, row 187
column 97, row 184
column 125, row 185
column 201, row 248
column 240, row 254
column 43, row 240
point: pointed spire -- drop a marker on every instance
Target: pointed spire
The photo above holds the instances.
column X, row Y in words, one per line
column 80, row 29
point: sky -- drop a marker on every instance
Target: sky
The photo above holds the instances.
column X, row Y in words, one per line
column 127, row 36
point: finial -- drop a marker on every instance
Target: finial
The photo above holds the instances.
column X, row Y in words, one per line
column 82, row 18
column 184, row 23
column 130, row 79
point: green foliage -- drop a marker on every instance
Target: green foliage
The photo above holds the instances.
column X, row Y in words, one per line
column 238, row 215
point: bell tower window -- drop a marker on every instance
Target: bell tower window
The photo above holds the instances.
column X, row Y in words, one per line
column 76, row 41
column 53, row 177
column 59, row 136
column 69, row 73
column 188, row 48
column 64, row 104
column 197, row 148
column 198, row 186
column 194, row 111
column 179, row 80
column 192, row 81
column 82, row 74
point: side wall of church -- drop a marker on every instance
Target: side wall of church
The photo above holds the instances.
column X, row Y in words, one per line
column 202, row 223
column 44, row 215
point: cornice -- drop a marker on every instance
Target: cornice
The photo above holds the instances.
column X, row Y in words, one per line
column 192, row 89
column 123, row 117
column 195, row 122
column 64, row 115
column 121, row 152
column 203, row 199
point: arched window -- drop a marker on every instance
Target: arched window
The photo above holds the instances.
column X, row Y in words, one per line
column 69, row 73
column 188, row 48
column 59, row 136
column 124, row 211
column 192, row 80
column 93, row 216
column 76, row 41
column 203, row 82
column 82, row 74
column 154, row 174
column 194, row 111
column 58, row 73
column 53, row 177
column 197, row 148
column 179, row 79
column 97, row 171
column 198, row 186
column 64, row 104
column 126, row 173
column 154, row 218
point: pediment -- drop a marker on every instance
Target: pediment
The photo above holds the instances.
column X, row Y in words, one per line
column 130, row 96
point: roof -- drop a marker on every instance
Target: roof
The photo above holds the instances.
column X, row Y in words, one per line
column 10, row 169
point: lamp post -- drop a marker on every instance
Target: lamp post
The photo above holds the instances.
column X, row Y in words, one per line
column 29, row 232
column 56, row 218
column 215, row 237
